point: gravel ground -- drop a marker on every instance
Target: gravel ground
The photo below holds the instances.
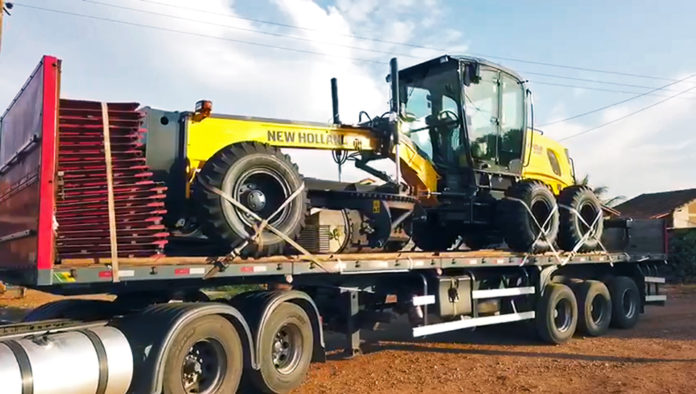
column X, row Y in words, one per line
column 658, row 356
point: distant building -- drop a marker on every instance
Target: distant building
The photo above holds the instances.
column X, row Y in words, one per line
column 677, row 208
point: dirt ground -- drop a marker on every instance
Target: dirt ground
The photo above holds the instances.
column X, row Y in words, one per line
column 658, row 356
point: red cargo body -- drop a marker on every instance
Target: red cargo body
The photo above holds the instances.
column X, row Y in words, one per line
column 53, row 194
column 28, row 131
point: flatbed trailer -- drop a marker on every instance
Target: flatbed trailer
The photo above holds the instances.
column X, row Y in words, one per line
column 163, row 333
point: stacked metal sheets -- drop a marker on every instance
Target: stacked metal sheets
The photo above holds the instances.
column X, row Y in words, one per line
column 82, row 212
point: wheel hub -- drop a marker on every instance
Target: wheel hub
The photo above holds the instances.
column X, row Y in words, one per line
column 203, row 367
column 256, row 200
column 286, row 348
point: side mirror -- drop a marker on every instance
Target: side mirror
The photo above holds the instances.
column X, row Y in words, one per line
column 472, row 73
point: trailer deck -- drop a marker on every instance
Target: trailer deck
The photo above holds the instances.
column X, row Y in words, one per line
column 157, row 268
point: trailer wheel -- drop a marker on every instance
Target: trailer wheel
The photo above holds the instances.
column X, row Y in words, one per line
column 585, row 203
column 285, row 349
column 261, row 178
column 625, row 299
column 519, row 229
column 556, row 314
column 594, row 307
column 205, row 357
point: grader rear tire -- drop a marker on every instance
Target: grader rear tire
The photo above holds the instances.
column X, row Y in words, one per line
column 571, row 230
column 519, row 229
column 261, row 178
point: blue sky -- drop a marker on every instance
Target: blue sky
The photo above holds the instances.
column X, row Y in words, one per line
column 651, row 151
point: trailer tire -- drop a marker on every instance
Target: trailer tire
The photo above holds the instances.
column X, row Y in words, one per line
column 191, row 352
column 556, row 314
column 571, row 229
column 625, row 299
column 260, row 177
column 594, row 307
column 285, row 346
column 519, row 229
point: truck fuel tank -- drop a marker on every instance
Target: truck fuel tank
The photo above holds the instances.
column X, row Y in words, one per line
column 91, row 360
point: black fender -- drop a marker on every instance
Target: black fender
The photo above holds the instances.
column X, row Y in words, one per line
column 257, row 307
column 151, row 331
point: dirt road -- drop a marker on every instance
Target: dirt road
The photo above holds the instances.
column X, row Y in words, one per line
column 658, row 356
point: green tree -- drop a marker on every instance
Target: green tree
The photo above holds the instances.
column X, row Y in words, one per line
column 602, row 193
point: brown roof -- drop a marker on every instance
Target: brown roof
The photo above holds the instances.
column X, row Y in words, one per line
column 655, row 205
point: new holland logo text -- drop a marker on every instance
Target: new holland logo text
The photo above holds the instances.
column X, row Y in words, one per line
column 304, row 137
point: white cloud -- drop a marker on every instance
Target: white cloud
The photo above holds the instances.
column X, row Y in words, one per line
column 646, row 152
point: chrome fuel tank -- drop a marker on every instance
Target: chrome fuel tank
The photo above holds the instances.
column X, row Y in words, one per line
column 91, row 360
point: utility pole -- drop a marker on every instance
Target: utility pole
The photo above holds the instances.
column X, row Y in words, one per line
column 4, row 8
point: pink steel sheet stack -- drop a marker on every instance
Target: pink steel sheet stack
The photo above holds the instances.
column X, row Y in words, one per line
column 82, row 205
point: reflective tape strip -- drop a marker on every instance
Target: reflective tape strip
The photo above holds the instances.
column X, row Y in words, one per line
column 468, row 323
column 423, row 300
column 655, row 298
column 654, row 279
column 494, row 293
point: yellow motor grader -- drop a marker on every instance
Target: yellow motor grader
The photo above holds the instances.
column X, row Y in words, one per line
column 468, row 165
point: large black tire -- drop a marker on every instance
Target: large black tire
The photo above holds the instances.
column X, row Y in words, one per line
column 519, row 229
column 430, row 236
column 556, row 314
column 285, row 347
column 625, row 302
column 477, row 241
column 571, row 228
column 260, row 177
column 206, row 352
column 594, row 307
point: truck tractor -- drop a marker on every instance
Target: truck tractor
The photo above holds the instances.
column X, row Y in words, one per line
column 469, row 166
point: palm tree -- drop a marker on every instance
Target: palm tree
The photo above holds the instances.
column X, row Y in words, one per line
column 601, row 193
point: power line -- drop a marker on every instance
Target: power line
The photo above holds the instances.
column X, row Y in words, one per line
column 227, row 26
column 411, row 45
column 563, row 85
column 252, row 43
column 602, row 108
column 305, row 39
column 282, row 47
column 597, row 81
column 629, row 114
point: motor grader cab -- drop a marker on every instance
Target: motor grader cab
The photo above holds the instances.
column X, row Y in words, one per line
column 457, row 131
column 471, row 118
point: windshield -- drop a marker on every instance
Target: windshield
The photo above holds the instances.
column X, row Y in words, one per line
column 495, row 114
column 430, row 100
